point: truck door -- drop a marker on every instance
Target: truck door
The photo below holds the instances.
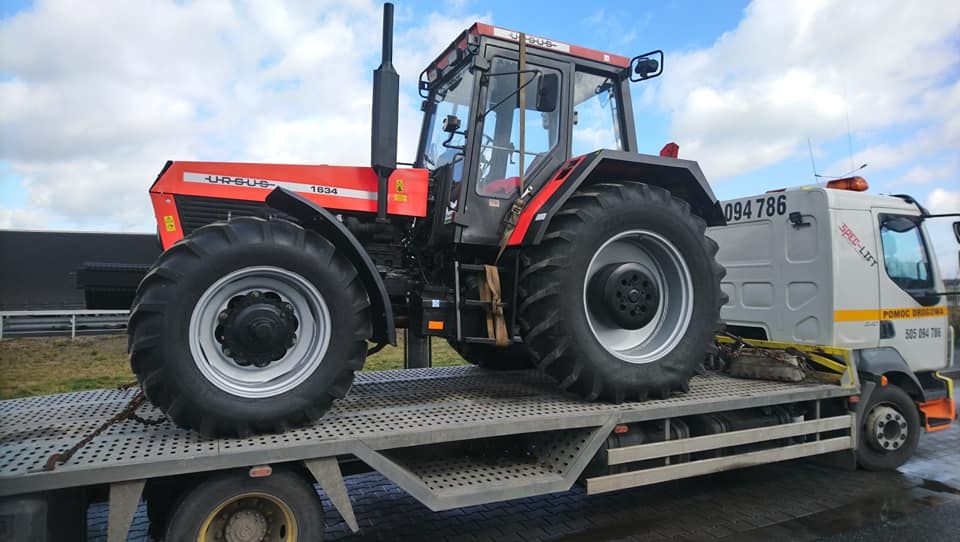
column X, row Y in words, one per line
column 911, row 320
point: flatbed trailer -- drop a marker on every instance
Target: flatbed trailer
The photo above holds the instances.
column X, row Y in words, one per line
column 447, row 436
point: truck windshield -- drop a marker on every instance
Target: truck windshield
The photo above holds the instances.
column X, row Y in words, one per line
column 451, row 98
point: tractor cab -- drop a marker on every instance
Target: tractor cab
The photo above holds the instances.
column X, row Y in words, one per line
column 483, row 152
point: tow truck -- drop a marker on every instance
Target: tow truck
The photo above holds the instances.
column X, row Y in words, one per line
column 836, row 333
column 867, row 386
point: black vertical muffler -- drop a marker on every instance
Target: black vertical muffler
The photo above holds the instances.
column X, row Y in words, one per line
column 384, row 118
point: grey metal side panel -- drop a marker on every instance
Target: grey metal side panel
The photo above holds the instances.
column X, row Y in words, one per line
column 551, row 475
column 779, row 277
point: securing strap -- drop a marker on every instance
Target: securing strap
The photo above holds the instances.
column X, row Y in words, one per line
column 510, row 220
column 490, row 295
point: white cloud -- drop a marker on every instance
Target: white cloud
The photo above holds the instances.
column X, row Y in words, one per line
column 24, row 219
column 792, row 70
column 942, row 200
column 923, row 174
column 101, row 95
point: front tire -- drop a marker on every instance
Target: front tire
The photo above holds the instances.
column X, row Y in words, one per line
column 889, row 431
column 233, row 331
column 622, row 297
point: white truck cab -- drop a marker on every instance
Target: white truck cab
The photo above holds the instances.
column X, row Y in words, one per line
column 835, row 266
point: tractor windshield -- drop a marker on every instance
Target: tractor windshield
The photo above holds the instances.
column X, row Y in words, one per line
column 452, row 100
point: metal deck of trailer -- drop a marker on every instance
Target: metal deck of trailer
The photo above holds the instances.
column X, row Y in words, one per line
column 389, row 418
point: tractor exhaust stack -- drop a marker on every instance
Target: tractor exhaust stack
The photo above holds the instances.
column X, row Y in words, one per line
column 386, row 98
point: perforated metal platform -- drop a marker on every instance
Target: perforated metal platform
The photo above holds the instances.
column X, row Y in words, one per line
column 383, row 412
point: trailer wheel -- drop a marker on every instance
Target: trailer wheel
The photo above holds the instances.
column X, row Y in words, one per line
column 231, row 506
column 889, row 430
column 248, row 326
column 512, row 358
column 622, row 297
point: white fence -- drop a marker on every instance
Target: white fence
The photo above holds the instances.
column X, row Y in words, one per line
column 62, row 322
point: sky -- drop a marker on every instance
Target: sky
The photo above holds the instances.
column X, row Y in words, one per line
column 96, row 96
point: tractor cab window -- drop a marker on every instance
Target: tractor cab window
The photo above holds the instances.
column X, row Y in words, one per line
column 904, row 254
column 499, row 164
column 452, row 100
column 596, row 119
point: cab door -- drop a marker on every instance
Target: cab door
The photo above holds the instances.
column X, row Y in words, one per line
column 912, row 321
column 494, row 179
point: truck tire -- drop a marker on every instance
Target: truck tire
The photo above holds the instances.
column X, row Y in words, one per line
column 514, row 357
column 233, row 506
column 889, row 431
column 231, row 332
column 622, row 297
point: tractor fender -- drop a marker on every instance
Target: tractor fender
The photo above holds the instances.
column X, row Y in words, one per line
column 872, row 363
column 316, row 218
column 683, row 178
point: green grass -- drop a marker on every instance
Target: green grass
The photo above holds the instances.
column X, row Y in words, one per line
column 44, row 365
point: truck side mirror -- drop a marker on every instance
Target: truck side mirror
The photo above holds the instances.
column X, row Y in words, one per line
column 956, row 234
column 548, row 92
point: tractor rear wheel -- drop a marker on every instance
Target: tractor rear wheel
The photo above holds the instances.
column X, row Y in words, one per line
column 622, row 297
column 514, row 357
column 248, row 326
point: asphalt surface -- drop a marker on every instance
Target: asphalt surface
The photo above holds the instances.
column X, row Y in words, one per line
column 796, row 500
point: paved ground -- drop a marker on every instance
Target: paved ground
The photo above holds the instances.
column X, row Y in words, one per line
column 797, row 500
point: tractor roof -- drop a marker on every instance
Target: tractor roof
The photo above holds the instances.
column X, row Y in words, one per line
column 471, row 36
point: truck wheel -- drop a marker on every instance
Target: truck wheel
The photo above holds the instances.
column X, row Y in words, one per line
column 512, row 358
column 233, row 331
column 233, row 506
column 622, row 297
column 889, row 430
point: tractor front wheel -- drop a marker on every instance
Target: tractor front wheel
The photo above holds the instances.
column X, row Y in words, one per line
column 248, row 326
column 622, row 297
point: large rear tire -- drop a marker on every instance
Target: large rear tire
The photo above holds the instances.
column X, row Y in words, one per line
column 622, row 297
column 233, row 331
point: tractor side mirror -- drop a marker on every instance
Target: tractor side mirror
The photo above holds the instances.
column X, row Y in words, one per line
column 548, row 92
column 646, row 66
column 451, row 124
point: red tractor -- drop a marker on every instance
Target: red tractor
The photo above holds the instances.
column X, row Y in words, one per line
column 528, row 232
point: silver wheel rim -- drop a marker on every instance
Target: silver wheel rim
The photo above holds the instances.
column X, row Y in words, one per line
column 887, row 429
column 672, row 318
column 280, row 376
